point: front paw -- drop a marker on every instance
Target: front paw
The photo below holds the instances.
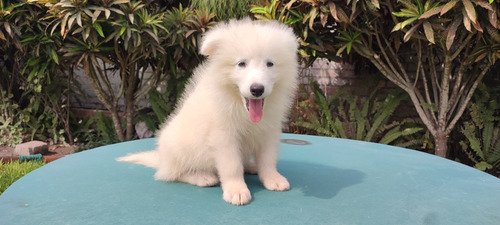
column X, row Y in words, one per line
column 275, row 182
column 236, row 194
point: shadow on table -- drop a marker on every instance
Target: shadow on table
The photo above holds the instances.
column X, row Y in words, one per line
column 319, row 181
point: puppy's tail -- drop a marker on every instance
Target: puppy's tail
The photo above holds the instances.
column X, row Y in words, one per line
column 149, row 159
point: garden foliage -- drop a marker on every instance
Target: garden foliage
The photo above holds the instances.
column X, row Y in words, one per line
column 369, row 118
column 481, row 132
column 436, row 51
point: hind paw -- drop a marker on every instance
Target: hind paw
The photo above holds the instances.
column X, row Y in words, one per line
column 200, row 179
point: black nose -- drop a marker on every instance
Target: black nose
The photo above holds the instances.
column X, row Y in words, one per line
column 257, row 89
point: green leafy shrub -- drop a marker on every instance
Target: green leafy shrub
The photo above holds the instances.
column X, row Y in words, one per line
column 30, row 75
column 11, row 120
column 359, row 118
column 224, row 9
column 163, row 103
column 481, row 132
column 92, row 132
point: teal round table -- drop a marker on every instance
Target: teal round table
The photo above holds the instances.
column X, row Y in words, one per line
column 333, row 181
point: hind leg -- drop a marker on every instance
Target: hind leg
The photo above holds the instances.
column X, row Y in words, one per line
column 202, row 179
column 199, row 178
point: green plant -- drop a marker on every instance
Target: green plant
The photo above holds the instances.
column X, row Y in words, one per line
column 119, row 36
column 93, row 131
column 367, row 119
column 186, row 27
column 12, row 171
column 163, row 103
column 11, row 120
column 315, row 39
column 32, row 75
column 224, row 9
column 482, row 132
column 436, row 51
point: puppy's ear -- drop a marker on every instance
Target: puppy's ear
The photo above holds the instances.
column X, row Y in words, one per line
column 211, row 41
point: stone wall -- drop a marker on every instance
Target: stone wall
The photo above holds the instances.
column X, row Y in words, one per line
column 331, row 76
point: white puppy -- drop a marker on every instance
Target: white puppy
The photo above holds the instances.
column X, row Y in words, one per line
column 230, row 118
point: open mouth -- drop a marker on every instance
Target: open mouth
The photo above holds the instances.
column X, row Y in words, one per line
column 255, row 108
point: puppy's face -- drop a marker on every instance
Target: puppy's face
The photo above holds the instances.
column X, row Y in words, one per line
column 253, row 56
column 255, row 78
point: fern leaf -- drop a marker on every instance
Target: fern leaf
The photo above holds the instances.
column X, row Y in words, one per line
column 487, row 135
column 483, row 166
column 338, row 127
column 362, row 119
column 469, row 154
column 391, row 135
column 474, row 143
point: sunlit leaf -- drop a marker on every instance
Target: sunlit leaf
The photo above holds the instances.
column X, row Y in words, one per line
column 481, row 56
column 107, row 13
column 79, row 19
column 64, row 21
column 95, row 15
column 71, row 20
column 467, row 22
column 484, row 4
column 131, row 18
column 429, row 33
column 410, row 32
column 406, row 13
column 98, row 28
column 448, row 6
column 122, row 30
column 430, row 13
column 2, row 36
column 469, row 9
column 54, row 56
column 119, row 2
column 403, row 24
column 8, row 29
column 333, row 11
column 492, row 16
column 323, row 18
column 409, row 5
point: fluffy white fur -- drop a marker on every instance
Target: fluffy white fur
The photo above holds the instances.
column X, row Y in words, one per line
column 211, row 138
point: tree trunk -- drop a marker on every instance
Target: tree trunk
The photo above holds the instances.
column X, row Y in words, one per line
column 117, row 123
column 129, row 117
column 441, row 144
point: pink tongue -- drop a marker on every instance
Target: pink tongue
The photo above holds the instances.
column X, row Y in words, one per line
column 255, row 109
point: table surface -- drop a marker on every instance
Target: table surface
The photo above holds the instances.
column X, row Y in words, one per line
column 333, row 181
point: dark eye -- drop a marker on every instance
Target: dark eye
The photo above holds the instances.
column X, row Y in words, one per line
column 242, row 64
column 269, row 64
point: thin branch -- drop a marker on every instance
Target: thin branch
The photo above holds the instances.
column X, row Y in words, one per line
column 429, row 112
column 103, row 76
column 422, row 114
column 436, row 88
column 419, row 66
column 464, row 44
column 465, row 101
column 375, row 59
column 152, row 83
column 388, row 61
